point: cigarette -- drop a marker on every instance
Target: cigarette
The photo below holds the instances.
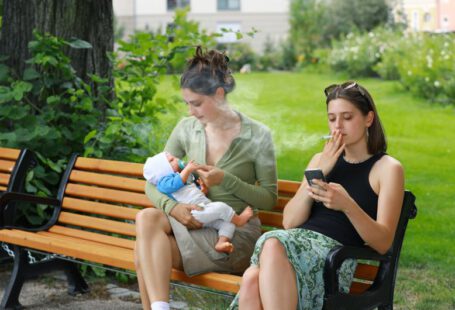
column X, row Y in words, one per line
column 326, row 137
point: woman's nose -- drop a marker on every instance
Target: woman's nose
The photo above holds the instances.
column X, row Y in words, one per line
column 339, row 123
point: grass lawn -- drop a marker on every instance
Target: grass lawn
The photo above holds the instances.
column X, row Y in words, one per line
column 420, row 135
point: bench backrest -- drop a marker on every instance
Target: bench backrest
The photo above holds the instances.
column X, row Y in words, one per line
column 14, row 165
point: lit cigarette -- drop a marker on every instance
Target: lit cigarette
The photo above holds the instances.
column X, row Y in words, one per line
column 326, row 137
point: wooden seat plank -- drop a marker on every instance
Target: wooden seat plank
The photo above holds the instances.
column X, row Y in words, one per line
column 110, row 166
column 8, row 153
column 366, row 272
column 7, row 165
column 97, row 223
column 109, row 181
column 93, row 207
column 91, row 236
column 106, row 194
column 3, row 188
column 286, row 187
column 269, row 218
column 4, row 179
column 359, row 287
column 103, row 254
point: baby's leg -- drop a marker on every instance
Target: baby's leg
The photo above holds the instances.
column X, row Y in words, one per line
column 214, row 211
column 242, row 218
column 225, row 233
column 224, row 245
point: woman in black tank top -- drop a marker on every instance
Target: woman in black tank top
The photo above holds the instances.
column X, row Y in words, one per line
column 359, row 203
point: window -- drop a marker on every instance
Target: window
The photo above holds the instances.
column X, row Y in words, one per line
column 415, row 20
column 427, row 17
column 177, row 4
column 228, row 5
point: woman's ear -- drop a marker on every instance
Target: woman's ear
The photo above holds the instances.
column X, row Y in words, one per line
column 220, row 93
column 370, row 118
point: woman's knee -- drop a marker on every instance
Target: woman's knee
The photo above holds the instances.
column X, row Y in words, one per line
column 272, row 249
column 250, row 280
column 150, row 219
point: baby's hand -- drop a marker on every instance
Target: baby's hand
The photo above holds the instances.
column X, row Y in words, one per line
column 192, row 165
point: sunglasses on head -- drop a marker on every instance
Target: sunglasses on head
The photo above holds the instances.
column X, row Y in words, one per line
column 345, row 86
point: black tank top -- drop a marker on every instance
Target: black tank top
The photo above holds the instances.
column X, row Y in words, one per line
column 354, row 178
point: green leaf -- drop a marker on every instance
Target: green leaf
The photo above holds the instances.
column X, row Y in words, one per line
column 78, row 43
column 31, row 74
column 4, row 72
column 90, row 135
column 238, row 35
column 53, row 99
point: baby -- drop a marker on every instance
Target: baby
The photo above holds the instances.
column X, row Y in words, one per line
column 176, row 180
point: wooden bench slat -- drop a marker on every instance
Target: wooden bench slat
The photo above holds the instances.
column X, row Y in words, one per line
column 110, row 181
column 269, row 218
column 93, row 207
column 219, row 281
column 366, row 272
column 103, row 254
column 91, row 236
column 8, row 153
column 110, row 166
column 7, row 165
column 97, row 223
column 4, row 179
column 107, row 194
column 3, row 188
column 288, row 187
column 359, row 287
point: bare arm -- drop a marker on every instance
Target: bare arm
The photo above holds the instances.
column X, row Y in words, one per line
column 378, row 233
column 298, row 209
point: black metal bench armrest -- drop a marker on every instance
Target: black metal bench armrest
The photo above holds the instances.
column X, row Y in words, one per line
column 8, row 197
column 338, row 255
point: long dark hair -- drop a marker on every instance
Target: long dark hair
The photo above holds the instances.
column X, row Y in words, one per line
column 362, row 100
column 207, row 71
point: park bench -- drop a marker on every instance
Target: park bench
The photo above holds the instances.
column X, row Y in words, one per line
column 14, row 165
column 93, row 222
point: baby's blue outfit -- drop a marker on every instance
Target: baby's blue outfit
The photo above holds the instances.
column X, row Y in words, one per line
column 217, row 215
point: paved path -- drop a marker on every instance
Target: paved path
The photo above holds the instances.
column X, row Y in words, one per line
column 50, row 292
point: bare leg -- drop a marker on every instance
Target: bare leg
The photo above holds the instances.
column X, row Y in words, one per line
column 224, row 244
column 249, row 290
column 155, row 254
column 242, row 218
column 277, row 281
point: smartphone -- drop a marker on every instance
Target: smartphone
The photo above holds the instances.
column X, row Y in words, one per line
column 311, row 174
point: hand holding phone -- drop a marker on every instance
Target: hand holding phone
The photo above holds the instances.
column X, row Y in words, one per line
column 311, row 174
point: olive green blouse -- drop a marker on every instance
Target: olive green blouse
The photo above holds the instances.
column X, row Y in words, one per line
column 250, row 177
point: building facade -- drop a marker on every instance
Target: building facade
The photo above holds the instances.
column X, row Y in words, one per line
column 428, row 15
column 269, row 17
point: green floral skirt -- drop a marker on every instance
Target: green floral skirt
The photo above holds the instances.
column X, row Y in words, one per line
column 307, row 251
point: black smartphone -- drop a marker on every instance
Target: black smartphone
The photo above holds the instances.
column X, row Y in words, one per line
column 311, row 174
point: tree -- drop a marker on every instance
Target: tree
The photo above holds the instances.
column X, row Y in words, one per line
column 350, row 15
column 89, row 20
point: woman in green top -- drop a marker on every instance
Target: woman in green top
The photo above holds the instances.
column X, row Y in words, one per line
column 239, row 168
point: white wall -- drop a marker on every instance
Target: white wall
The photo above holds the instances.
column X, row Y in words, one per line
column 203, row 6
column 151, row 7
column 123, row 7
column 264, row 6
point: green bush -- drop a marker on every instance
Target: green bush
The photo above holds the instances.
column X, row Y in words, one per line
column 359, row 53
column 428, row 66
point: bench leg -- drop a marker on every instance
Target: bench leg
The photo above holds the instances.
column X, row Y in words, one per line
column 76, row 283
column 23, row 270
column 12, row 291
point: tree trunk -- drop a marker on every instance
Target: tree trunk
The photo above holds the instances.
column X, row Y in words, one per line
column 89, row 20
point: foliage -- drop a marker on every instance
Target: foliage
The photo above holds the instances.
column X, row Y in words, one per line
column 55, row 113
column 429, row 70
column 307, row 24
column 424, row 63
column 355, row 15
column 358, row 53
column 139, row 65
column 239, row 54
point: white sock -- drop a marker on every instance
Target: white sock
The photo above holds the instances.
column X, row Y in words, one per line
column 160, row 305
